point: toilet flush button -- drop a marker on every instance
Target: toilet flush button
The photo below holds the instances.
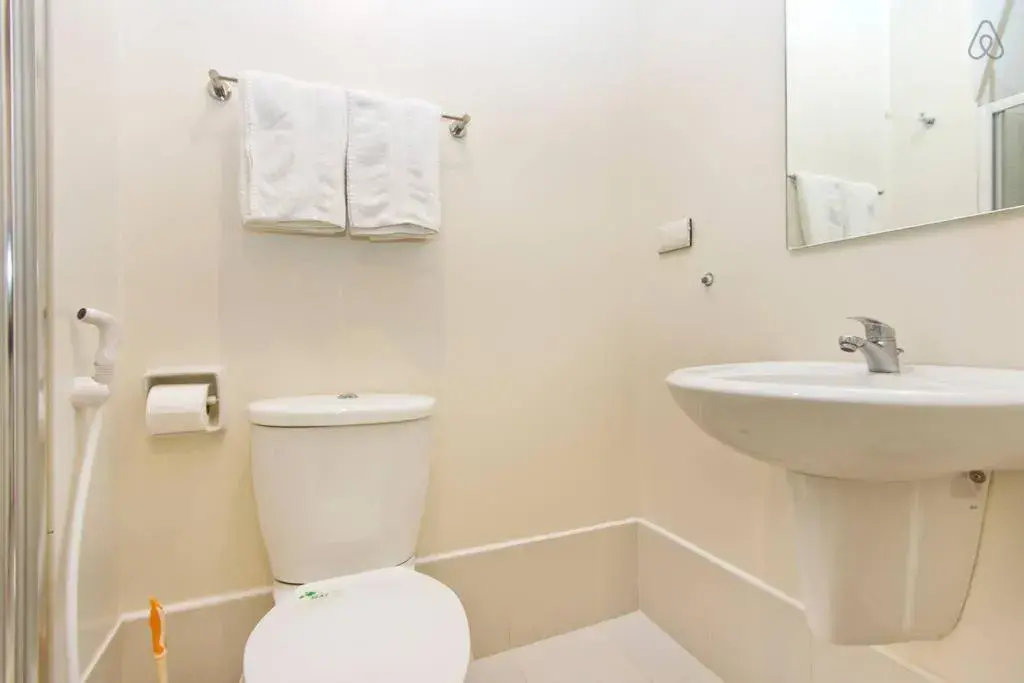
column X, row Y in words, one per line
column 311, row 595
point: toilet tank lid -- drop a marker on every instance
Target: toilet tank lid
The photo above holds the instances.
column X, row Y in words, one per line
column 334, row 410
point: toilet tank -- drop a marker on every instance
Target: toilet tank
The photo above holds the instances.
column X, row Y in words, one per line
column 340, row 481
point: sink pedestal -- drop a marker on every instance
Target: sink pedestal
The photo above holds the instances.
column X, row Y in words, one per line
column 888, row 519
column 886, row 561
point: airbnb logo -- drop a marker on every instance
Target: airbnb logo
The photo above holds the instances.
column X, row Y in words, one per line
column 986, row 42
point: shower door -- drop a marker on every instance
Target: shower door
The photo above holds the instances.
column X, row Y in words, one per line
column 24, row 243
column 1001, row 154
column 1009, row 158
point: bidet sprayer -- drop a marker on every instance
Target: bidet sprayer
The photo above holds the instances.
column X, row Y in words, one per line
column 106, row 352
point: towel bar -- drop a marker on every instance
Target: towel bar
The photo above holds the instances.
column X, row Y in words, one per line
column 792, row 176
column 219, row 88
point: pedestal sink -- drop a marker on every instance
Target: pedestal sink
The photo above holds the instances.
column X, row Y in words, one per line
column 839, row 420
column 889, row 474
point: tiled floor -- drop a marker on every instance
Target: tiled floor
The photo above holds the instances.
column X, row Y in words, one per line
column 630, row 649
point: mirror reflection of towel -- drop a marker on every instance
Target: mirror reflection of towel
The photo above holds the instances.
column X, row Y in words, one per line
column 832, row 208
column 862, row 200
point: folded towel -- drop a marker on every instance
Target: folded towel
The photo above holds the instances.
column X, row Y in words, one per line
column 393, row 167
column 822, row 204
column 293, row 155
column 862, row 208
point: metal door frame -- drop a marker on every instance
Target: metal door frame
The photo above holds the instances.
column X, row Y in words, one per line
column 24, row 363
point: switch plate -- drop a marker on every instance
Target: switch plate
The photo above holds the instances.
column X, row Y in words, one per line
column 675, row 235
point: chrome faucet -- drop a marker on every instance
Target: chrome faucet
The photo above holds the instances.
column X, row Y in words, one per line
column 878, row 345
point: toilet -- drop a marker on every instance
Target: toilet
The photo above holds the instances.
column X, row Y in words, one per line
column 340, row 484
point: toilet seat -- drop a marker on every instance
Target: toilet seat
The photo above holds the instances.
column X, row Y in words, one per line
column 387, row 626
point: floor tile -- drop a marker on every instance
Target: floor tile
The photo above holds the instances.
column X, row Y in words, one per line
column 652, row 650
column 577, row 656
column 629, row 649
column 500, row 668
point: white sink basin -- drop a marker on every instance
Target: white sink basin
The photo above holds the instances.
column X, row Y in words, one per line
column 838, row 420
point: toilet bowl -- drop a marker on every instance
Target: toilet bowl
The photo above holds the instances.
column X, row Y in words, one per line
column 384, row 626
column 340, row 484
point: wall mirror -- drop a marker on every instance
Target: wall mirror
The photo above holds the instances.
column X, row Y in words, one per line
column 901, row 113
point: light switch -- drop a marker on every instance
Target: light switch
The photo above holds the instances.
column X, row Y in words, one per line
column 675, row 235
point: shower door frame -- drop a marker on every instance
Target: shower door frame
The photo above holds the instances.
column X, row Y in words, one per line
column 990, row 152
column 24, row 341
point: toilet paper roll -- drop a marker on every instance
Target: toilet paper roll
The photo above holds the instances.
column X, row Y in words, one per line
column 177, row 408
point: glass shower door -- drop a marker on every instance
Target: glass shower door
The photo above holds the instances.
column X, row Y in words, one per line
column 1009, row 157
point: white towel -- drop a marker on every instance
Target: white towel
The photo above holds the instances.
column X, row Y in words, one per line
column 393, row 167
column 822, row 203
column 862, row 209
column 293, row 155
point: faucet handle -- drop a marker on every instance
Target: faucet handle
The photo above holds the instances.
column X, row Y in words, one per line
column 876, row 330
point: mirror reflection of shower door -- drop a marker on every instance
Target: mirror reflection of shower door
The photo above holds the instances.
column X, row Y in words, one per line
column 1001, row 154
column 1008, row 157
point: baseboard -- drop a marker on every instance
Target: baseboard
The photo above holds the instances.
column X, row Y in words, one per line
column 528, row 589
column 516, row 542
column 715, row 609
column 105, row 666
column 722, row 564
column 207, row 602
column 515, row 592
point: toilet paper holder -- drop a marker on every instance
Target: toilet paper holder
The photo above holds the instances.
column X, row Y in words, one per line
column 191, row 374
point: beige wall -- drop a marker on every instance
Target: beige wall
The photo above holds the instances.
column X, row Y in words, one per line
column 86, row 255
column 949, row 291
column 541, row 317
column 511, row 318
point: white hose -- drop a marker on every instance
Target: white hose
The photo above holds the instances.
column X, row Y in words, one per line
column 75, row 529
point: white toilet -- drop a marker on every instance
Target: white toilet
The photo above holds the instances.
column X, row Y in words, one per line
column 340, row 486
